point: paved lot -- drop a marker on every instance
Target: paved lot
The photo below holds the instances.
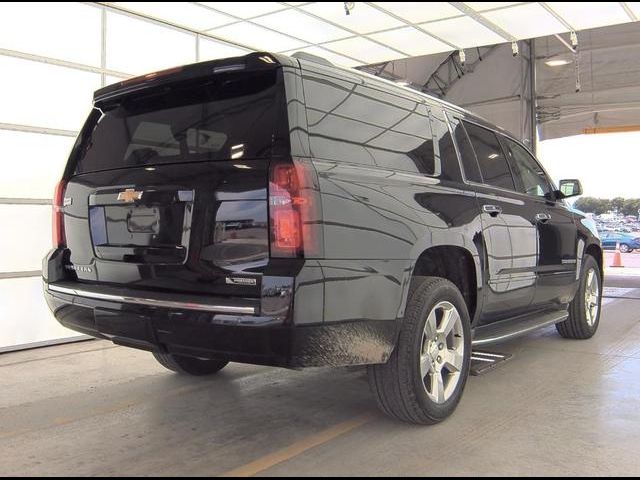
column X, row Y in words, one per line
column 559, row 407
column 629, row 260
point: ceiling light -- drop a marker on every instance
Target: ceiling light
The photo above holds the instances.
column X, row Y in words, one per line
column 557, row 62
column 403, row 83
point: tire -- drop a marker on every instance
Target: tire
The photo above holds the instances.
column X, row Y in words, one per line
column 189, row 365
column 624, row 248
column 583, row 324
column 399, row 386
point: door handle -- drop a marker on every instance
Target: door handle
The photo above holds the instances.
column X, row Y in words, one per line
column 493, row 210
column 542, row 217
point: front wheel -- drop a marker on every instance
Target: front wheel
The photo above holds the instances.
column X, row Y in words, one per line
column 624, row 248
column 584, row 310
column 189, row 365
column 425, row 376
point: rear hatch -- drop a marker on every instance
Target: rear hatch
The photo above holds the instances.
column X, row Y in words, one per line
column 167, row 187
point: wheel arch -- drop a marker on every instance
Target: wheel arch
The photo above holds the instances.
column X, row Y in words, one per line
column 596, row 252
column 458, row 265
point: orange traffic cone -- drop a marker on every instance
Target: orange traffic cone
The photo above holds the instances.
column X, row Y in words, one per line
column 617, row 258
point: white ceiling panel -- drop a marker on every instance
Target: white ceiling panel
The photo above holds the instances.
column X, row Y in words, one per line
column 464, row 32
column 363, row 18
column 181, row 13
column 411, row 41
column 246, row 9
column 257, row 37
column 331, row 56
column 526, row 21
column 583, row 15
column 212, row 50
column 420, row 12
column 484, row 6
column 305, row 27
column 368, row 51
column 379, row 31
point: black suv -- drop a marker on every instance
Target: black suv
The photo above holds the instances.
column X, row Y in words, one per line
column 283, row 211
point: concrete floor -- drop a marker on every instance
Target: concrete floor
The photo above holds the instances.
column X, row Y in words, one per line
column 558, row 408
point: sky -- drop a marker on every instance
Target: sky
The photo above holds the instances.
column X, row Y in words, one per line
column 608, row 165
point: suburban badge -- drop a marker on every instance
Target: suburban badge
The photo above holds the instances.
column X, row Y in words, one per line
column 250, row 282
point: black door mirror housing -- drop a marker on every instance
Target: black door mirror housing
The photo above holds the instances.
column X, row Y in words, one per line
column 569, row 188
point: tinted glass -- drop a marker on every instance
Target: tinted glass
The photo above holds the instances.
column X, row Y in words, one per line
column 491, row 159
column 232, row 116
column 445, row 147
column 531, row 178
column 467, row 156
column 356, row 123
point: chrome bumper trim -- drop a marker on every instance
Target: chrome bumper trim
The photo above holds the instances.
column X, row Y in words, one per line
column 152, row 302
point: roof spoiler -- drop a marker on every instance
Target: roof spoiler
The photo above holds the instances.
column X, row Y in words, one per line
column 250, row 62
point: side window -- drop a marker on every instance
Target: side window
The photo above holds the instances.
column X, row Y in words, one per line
column 407, row 145
column 531, row 178
column 491, row 159
column 446, row 151
column 356, row 123
column 467, row 157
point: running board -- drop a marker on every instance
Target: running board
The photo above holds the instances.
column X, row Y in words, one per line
column 516, row 327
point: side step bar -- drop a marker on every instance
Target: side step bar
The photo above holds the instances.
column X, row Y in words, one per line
column 516, row 327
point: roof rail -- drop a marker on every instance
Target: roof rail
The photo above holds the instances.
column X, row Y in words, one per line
column 312, row 58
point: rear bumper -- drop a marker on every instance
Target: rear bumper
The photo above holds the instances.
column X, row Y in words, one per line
column 219, row 329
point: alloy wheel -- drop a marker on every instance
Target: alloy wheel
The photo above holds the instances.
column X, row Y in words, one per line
column 591, row 297
column 442, row 353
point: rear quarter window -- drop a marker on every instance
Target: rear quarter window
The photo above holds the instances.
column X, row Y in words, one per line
column 355, row 123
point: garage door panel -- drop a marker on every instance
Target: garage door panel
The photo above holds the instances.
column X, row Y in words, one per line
column 26, row 237
column 26, row 319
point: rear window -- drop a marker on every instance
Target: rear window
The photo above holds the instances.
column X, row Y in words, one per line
column 231, row 116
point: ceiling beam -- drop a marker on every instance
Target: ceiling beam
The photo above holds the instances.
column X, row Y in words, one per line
column 630, row 13
column 470, row 12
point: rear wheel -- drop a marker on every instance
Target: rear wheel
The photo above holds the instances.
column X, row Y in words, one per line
column 584, row 311
column 424, row 378
column 189, row 365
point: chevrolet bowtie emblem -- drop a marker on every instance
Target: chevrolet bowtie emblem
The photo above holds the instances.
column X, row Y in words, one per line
column 129, row 195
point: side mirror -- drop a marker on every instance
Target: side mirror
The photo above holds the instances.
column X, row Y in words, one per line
column 570, row 188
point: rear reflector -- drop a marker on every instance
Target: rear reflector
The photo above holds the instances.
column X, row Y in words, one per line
column 59, row 240
column 295, row 210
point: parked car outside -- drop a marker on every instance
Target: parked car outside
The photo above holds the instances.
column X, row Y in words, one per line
column 627, row 242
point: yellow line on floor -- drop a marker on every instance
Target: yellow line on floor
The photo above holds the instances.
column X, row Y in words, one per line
column 299, row 447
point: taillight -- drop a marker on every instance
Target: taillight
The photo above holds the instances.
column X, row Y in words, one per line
column 59, row 239
column 295, row 210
